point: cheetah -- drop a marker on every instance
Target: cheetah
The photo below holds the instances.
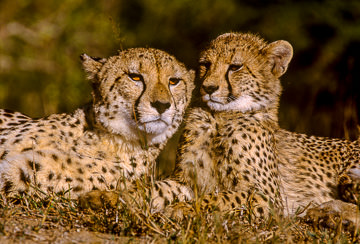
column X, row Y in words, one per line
column 233, row 150
column 138, row 101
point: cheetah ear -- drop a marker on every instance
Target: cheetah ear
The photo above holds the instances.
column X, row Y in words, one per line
column 279, row 54
column 92, row 65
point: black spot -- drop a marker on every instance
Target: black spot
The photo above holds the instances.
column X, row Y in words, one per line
column 77, row 188
column 260, row 210
column 55, row 157
column 68, row 179
column 7, row 186
column 68, row 161
column 50, row 176
column 235, row 182
column 24, row 177
column 201, row 163
column 17, row 141
column 104, row 170
column 26, row 149
column 161, row 193
column 79, row 179
column 34, row 165
column 8, row 115
column 237, row 198
column 229, row 170
column 166, row 201
column 2, row 157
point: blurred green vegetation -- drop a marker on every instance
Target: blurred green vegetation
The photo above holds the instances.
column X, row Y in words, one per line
column 40, row 42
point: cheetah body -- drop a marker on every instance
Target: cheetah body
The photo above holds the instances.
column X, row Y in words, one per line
column 232, row 145
column 232, row 152
column 139, row 98
column 311, row 168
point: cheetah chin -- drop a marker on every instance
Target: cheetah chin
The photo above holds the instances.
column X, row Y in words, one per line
column 155, row 124
column 154, row 127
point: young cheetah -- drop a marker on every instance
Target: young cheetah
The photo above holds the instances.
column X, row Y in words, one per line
column 232, row 147
column 139, row 99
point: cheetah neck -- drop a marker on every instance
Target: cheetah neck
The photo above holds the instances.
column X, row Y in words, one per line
column 267, row 116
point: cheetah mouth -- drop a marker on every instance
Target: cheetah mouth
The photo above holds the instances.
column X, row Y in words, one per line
column 210, row 100
column 154, row 126
column 155, row 121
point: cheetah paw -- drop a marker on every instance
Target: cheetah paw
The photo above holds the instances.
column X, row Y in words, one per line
column 333, row 214
column 179, row 211
column 349, row 186
column 97, row 199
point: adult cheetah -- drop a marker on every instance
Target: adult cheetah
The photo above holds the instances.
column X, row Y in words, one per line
column 138, row 101
column 232, row 147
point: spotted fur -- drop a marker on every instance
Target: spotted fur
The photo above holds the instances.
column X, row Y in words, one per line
column 139, row 99
column 232, row 145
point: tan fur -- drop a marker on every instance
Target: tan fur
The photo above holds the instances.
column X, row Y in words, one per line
column 139, row 99
column 233, row 145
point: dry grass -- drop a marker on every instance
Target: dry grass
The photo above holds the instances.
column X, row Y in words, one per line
column 56, row 218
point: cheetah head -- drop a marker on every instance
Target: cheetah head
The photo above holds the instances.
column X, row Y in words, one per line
column 240, row 72
column 142, row 92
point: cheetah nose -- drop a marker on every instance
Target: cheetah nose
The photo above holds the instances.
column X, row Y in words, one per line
column 160, row 106
column 210, row 89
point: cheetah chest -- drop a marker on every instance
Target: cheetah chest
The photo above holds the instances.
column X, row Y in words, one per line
column 243, row 156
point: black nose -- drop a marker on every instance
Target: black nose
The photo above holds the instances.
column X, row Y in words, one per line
column 160, row 106
column 210, row 89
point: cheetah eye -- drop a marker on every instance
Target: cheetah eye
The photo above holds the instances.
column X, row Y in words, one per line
column 235, row 67
column 174, row 81
column 135, row 77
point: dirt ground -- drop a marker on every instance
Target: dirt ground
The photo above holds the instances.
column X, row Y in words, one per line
column 29, row 229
